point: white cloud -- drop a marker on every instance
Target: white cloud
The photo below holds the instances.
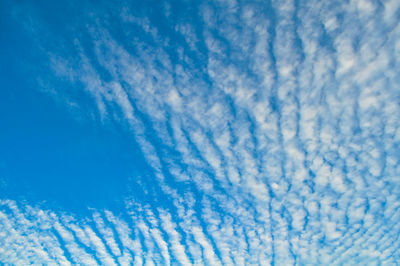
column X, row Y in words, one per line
column 276, row 140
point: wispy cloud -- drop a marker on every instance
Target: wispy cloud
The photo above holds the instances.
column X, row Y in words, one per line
column 271, row 130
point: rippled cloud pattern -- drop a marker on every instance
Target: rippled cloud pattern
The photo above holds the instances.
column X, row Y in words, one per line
column 271, row 132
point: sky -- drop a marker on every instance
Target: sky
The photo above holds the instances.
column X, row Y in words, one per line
column 200, row 132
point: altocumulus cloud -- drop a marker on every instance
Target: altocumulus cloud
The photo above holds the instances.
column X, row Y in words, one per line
column 271, row 128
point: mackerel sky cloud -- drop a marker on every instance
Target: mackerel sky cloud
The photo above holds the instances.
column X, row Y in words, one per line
column 200, row 132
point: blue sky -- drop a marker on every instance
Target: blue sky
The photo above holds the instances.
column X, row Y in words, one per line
column 200, row 132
